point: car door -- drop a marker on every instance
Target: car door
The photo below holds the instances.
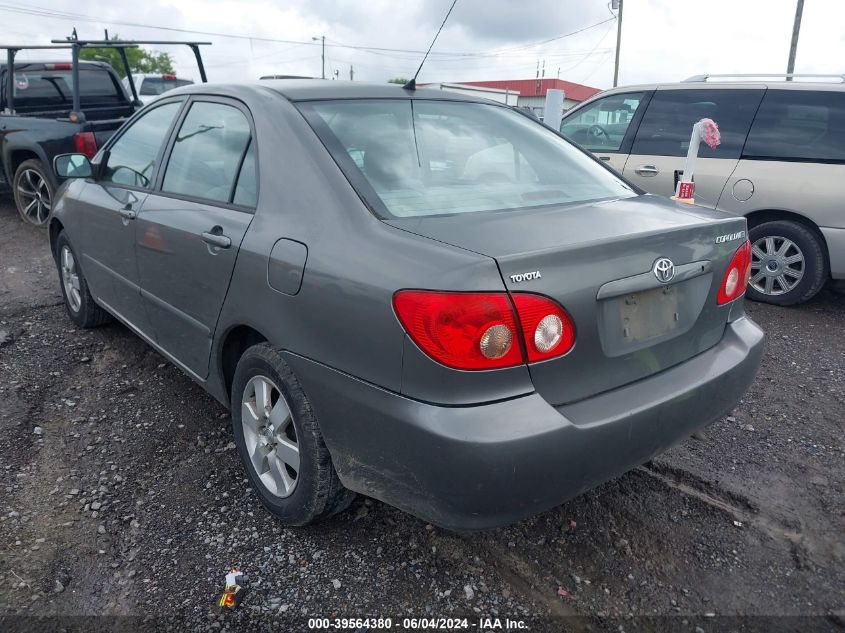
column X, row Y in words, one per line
column 606, row 126
column 191, row 227
column 110, row 204
column 662, row 139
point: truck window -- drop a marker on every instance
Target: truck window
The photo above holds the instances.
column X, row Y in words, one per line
column 40, row 88
column 151, row 86
column 667, row 125
column 799, row 125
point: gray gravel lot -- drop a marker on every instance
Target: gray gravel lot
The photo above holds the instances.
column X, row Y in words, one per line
column 122, row 494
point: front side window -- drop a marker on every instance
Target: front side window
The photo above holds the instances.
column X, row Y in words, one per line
column 799, row 125
column 601, row 126
column 421, row 158
column 208, row 152
column 667, row 125
column 131, row 160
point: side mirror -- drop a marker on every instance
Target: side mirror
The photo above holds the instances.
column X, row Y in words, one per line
column 72, row 166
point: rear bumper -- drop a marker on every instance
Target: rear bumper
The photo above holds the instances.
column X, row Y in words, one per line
column 483, row 466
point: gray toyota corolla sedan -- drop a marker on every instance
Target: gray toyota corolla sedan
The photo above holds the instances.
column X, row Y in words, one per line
column 430, row 299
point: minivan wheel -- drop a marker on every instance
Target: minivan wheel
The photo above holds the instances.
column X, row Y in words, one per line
column 33, row 190
column 788, row 263
column 79, row 303
column 280, row 443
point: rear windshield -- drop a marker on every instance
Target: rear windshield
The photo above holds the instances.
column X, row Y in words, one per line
column 158, row 85
column 35, row 88
column 412, row 158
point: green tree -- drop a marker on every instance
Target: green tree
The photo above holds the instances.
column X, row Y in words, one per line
column 397, row 80
column 140, row 60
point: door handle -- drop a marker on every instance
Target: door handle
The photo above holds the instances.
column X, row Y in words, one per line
column 216, row 239
column 127, row 213
column 647, row 170
column 605, row 158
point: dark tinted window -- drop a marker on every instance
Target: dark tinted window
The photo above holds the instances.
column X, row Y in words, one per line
column 246, row 191
column 799, row 124
column 159, row 85
column 208, row 151
column 54, row 87
column 601, row 126
column 667, row 125
column 132, row 158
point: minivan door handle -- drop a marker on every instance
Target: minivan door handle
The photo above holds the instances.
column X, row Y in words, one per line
column 216, row 238
column 647, row 170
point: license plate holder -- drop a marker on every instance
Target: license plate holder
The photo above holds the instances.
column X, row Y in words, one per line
column 649, row 314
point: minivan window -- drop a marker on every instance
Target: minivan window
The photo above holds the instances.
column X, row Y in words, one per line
column 799, row 125
column 601, row 126
column 667, row 125
column 207, row 152
column 159, row 85
column 131, row 160
column 422, row 158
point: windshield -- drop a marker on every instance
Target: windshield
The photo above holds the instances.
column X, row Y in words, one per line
column 160, row 85
column 422, row 158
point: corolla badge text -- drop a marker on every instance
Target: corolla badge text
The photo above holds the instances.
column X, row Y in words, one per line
column 730, row 237
column 526, row 276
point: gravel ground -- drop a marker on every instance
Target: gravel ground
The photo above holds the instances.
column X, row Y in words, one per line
column 122, row 495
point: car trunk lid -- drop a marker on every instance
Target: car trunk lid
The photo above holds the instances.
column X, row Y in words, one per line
column 597, row 260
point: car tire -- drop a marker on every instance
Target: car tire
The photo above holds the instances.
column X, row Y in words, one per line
column 33, row 187
column 788, row 263
column 80, row 305
column 300, row 493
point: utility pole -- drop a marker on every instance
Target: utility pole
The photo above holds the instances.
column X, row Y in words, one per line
column 316, row 39
column 617, row 4
column 793, row 47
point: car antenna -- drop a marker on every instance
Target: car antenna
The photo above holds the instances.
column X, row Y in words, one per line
column 412, row 85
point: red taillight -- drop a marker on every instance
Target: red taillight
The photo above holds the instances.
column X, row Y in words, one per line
column 86, row 143
column 169, row 77
column 474, row 330
column 57, row 67
column 736, row 276
column 452, row 326
column 547, row 329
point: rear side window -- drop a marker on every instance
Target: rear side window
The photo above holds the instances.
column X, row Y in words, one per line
column 667, row 125
column 55, row 87
column 799, row 125
column 132, row 158
column 208, row 152
column 601, row 126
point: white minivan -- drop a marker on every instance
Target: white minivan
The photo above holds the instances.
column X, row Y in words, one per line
column 780, row 164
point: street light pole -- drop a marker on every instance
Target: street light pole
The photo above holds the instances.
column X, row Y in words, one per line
column 323, row 38
column 618, row 41
column 793, row 46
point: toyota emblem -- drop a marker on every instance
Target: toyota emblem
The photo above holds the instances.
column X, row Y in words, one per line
column 664, row 270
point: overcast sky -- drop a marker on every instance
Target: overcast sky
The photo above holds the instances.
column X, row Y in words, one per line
column 662, row 40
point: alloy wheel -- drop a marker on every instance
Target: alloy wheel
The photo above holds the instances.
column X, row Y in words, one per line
column 777, row 265
column 70, row 279
column 270, row 436
column 35, row 200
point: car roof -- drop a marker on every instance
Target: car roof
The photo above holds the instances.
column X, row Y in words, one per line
column 709, row 85
column 319, row 89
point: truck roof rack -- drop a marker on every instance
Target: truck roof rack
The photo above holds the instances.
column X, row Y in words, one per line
column 787, row 76
column 121, row 45
column 75, row 45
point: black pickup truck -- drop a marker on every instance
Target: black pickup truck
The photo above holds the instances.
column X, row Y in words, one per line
column 44, row 125
column 61, row 107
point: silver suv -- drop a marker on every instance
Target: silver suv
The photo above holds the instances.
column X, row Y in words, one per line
column 780, row 163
